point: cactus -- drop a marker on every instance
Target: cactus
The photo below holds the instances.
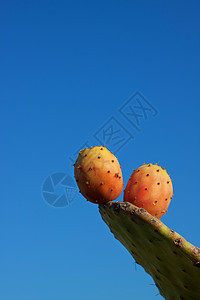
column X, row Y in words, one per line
column 150, row 187
column 173, row 262
column 98, row 174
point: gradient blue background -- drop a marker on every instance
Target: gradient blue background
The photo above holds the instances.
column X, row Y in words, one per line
column 66, row 67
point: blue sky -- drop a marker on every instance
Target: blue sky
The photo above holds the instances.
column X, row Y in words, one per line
column 67, row 67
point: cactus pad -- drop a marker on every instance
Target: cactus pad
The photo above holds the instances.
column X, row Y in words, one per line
column 173, row 263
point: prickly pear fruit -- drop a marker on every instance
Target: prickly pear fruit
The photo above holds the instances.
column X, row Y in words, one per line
column 98, row 175
column 150, row 187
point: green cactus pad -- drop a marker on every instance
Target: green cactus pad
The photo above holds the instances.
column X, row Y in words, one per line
column 173, row 263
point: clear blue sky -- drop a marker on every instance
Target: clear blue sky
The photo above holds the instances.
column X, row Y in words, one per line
column 67, row 67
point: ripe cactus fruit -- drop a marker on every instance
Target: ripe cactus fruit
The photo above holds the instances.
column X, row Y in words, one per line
column 150, row 187
column 98, row 174
column 173, row 262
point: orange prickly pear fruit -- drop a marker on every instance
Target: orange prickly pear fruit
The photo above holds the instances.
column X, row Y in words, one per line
column 150, row 187
column 98, row 174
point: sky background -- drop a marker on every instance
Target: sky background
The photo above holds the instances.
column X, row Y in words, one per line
column 67, row 67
